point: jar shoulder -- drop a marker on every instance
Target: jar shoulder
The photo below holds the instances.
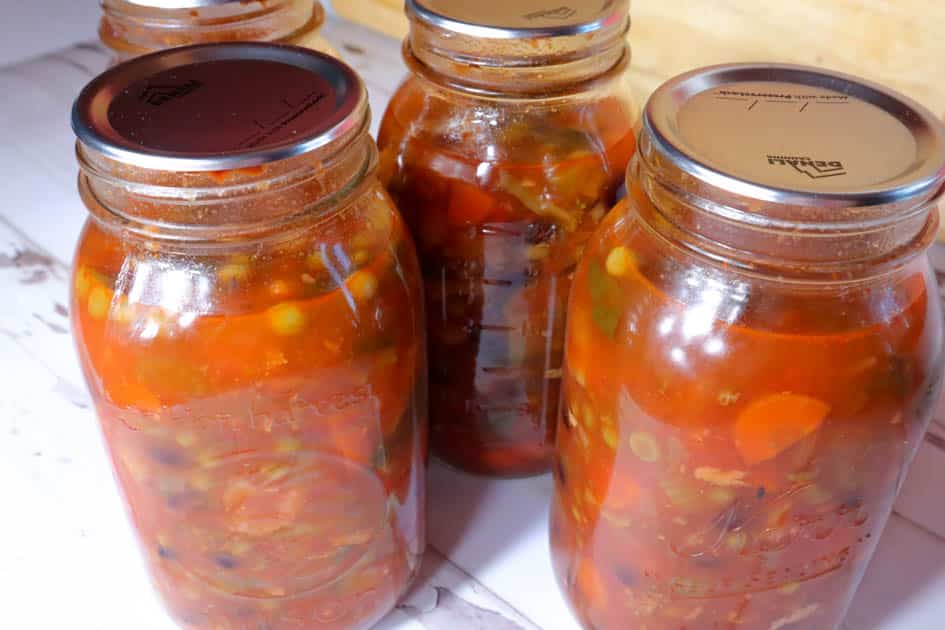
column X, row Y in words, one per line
column 249, row 275
column 688, row 339
column 520, row 130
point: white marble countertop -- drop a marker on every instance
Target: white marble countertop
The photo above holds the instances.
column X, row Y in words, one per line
column 68, row 560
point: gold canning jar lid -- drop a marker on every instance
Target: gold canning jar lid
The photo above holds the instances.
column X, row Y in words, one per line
column 793, row 136
column 526, row 19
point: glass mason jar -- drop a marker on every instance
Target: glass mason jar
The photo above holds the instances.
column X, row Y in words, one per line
column 136, row 27
column 754, row 351
column 248, row 314
column 504, row 149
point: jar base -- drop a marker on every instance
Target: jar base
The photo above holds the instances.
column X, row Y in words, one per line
column 483, row 467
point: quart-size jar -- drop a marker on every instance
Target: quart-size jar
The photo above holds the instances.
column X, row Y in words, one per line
column 753, row 353
column 248, row 315
column 504, row 150
column 135, row 27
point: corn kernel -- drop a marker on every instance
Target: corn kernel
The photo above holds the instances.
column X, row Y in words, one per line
column 279, row 288
column 361, row 257
column 286, row 319
column 83, row 282
column 620, row 261
column 538, row 252
column 186, row 439
column 721, row 495
column 736, row 541
column 201, row 481
column 315, row 261
column 208, row 460
column 610, row 436
column 645, row 447
column 233, row 272
column 240, row 547
column 363, row 285
column 100, row 300
column 580, row 377
column 288, row 445
column 277, row 473
column 590, row 418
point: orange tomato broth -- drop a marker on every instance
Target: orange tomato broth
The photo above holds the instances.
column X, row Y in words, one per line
column 269, row 435
column 497, row 267
column 747, row 488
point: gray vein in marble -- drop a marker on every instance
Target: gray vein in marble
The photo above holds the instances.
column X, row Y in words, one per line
column 73, row 394
column 925, row 530
column 61, row 58
column 936, row 440
column 63, row 387
column 28, row 253
column 35, row 267
column 452, row 612
column 56, row 328
column 96, row 47
column 354, row 49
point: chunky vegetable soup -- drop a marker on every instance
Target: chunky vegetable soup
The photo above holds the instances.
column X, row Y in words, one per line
column 729, row 449
column 501, row 201
column 264, row 410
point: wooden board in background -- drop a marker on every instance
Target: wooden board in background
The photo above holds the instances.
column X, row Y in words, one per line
column 897, row 42
column 900, row 43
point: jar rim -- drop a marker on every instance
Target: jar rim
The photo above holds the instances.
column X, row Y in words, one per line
column 181, row 4
column 119, row 114
column 491, row 21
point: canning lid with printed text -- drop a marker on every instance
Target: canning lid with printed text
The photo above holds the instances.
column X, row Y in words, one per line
column 504, row 149
column 249, row 319
column 753, row 355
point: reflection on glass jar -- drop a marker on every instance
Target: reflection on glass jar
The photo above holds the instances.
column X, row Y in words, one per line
column 504, row 150
column 136, row 27
column 248, row 313
column 753, row 354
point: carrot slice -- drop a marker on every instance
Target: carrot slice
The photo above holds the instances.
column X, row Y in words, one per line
column 771, row 425
column 469, row 204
